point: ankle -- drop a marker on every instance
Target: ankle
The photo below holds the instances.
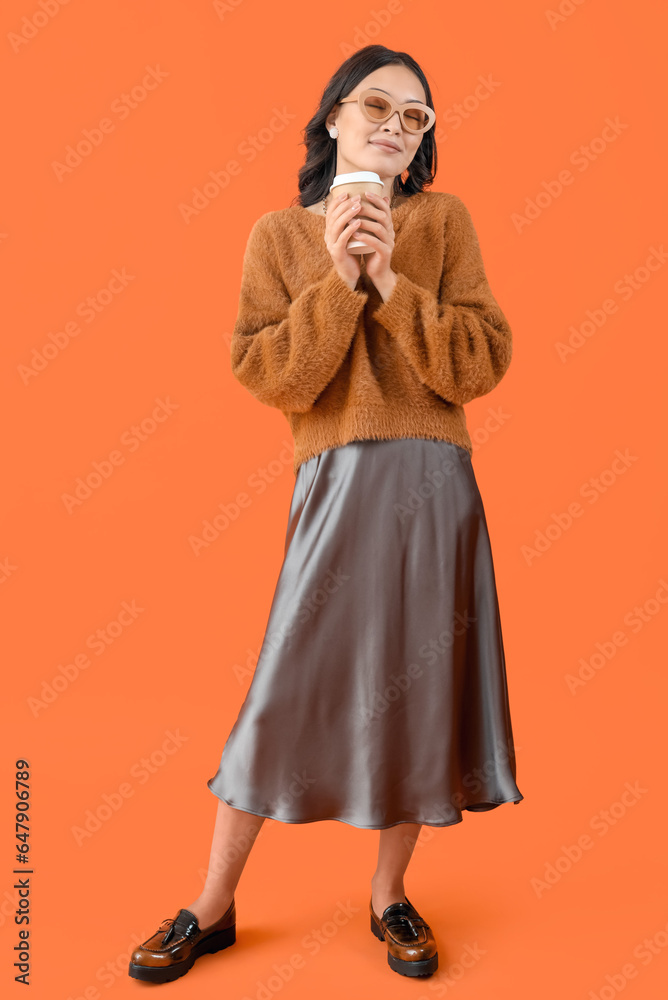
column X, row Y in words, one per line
column 383, row 894
column 384, row 885
column 210, row 907
column 215, row 894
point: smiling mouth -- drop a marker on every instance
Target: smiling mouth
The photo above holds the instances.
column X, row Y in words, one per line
column 385, row 146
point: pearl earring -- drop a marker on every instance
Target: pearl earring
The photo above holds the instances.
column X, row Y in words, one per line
column 334, row 132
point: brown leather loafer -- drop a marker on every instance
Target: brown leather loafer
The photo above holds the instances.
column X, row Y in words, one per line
column 411, row 948
column 178, row 942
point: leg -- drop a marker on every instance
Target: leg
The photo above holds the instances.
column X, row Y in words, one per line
column 233, row 836
column 395, row 849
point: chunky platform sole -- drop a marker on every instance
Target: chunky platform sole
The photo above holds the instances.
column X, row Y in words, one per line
column 423, row 968
column 168, row 973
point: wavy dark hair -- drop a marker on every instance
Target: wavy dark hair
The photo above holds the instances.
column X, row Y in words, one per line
column 319, row 170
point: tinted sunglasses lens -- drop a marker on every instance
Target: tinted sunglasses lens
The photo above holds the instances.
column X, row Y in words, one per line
column 415, row 120
column 376, row 107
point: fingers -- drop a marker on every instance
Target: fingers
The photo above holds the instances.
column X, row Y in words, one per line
column 376, row 203
column 346, row 234
column 343, row 221
column 346, row 210
column 341, row 224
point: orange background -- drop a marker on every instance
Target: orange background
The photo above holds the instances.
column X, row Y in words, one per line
column 165, row 335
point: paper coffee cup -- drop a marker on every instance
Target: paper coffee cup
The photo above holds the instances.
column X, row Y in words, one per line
column 357, row 183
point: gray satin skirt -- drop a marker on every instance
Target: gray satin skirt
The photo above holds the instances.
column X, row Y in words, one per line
column 380, row 692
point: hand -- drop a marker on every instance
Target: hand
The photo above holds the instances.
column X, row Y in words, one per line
column 381, row 240
column 340, row 224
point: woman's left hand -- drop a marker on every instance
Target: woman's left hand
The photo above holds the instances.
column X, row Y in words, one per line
column 381, row 239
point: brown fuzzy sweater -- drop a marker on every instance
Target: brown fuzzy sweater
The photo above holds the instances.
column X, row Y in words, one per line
column 343, row 365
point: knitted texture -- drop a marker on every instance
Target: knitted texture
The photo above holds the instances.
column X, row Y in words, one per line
column 344, row 365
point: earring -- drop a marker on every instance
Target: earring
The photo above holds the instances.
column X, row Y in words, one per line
column 334, row 132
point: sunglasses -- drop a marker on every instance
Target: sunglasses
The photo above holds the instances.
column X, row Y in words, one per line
column 378, row 107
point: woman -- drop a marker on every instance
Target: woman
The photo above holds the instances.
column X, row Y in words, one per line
column 380, row 697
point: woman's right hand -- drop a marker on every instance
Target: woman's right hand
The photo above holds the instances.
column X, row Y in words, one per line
column 340, row 224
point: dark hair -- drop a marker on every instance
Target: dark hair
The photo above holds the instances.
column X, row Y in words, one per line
column 319, row 170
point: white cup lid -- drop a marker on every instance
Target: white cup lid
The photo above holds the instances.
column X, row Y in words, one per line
column 357, row 176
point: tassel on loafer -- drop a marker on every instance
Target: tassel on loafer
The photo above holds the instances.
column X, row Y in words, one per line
column 178, row 943
column 411, row 947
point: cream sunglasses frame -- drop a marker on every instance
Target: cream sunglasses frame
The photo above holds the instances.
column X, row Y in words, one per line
column 431, row 115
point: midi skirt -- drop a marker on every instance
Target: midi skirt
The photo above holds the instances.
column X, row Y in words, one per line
column 380, row 693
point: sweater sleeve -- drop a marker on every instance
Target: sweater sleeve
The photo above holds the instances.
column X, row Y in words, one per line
column 459, row 342
column 285, row 352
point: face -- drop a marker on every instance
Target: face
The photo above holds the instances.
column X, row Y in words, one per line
column 359, row 140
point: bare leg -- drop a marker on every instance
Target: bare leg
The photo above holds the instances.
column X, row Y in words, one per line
column 233, row 837
column 395, row 849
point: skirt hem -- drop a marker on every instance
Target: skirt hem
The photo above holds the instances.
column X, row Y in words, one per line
column 474, row 807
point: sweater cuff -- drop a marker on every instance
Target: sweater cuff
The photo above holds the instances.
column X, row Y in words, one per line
column 346, row 300
column 397, row 313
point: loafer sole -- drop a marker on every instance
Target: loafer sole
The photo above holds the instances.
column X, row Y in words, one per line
column 168, row 973
column 425, row 967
